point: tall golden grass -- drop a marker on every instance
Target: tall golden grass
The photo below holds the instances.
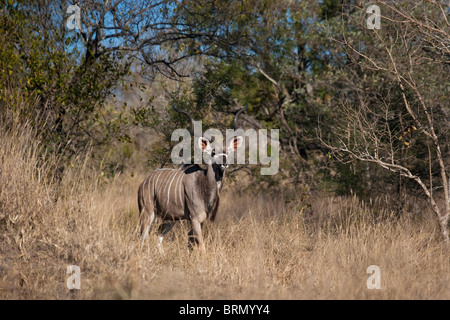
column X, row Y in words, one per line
column 260, row 247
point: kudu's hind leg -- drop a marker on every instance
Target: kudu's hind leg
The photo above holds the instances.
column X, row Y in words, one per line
column 145, row 222
column 165, row 227
column 147, row 229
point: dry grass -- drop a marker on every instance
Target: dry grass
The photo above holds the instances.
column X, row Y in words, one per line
column 260, row 247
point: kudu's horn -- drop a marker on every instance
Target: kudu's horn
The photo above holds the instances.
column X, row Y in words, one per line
column 236, row 117
column 191, row 130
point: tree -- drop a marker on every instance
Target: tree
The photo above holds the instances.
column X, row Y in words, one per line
column 44, row 62
column 76, row 74
column 393, row 110
column 277, row 59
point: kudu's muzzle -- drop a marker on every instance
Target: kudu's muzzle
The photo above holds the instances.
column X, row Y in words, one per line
column 221, row 160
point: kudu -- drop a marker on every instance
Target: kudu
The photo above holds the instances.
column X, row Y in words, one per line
column 188, row 193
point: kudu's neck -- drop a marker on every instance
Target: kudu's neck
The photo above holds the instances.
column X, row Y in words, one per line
column 209, row 182
column 214, row 176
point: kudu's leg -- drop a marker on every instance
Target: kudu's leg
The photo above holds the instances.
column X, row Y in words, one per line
column 146, row 221
column 195, row 235
column 164, row 229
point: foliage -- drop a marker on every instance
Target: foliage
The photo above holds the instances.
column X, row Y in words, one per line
column 338, row 92
column 42, row 60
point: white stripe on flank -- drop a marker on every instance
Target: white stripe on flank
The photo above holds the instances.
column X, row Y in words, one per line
column 143, row 193
column 168, row 189
column 175, row 188
column 155, row 184
column 162, row 184
column 180, row 188
column 149, row 189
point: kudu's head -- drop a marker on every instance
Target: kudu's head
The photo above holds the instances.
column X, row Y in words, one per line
column 217, row 150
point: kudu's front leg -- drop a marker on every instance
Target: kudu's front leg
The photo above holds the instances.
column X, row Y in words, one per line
column 195, row 235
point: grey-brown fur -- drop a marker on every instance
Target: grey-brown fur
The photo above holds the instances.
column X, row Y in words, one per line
column 191, row 192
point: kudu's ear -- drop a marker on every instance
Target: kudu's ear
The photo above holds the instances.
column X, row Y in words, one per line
column 204, row 145
column 235, row 143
